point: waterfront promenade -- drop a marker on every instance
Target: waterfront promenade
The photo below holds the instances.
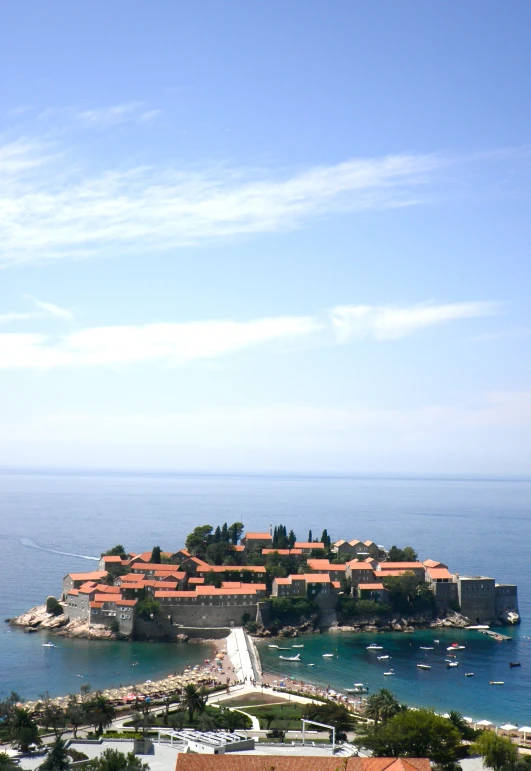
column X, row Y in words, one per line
column 244, row 657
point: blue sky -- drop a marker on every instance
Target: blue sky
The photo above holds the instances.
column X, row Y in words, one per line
column 275, row 236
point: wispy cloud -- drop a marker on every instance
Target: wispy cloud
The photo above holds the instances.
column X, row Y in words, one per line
column 44, row 309
column 104, row 117
column 392, row 323
column 66, row 213
column 176, row 344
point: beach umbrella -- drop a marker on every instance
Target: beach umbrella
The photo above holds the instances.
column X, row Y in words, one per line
column 468, row 720
column 525, row 729
column 484, row 723
column 508, row 727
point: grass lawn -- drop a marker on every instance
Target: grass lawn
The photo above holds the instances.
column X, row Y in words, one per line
column 253, row 699
column 286, row 717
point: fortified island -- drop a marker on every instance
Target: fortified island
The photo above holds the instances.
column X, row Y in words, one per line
column 270, row 583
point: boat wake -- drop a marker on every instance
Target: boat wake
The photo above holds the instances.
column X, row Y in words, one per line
column 32, row 545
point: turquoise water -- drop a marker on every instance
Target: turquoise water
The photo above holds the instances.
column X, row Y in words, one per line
column 441, row 688
column 103, row 664
column 56, row 523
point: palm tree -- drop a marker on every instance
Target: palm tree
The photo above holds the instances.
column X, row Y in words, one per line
column 382, row 706
column 24, row 730
column 230, row 718
column 193, row 700
column 102, row 712
column 389, row 706
column 57, row 758
column 206, row 722
column 7, row 763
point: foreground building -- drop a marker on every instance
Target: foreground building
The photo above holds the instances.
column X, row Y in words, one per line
column 189, row 762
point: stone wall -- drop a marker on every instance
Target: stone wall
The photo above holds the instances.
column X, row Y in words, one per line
column 445, row 593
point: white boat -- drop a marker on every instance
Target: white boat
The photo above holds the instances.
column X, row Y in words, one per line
column 291, row 658
column 358, row 688
column 469, row 674
column 272, row 646
column 436, row 642
column 297, row 646
column 283, row 649
column 496, row 682
column 423, row 666
column 311, row 665
column 452, row 664
column 48, row 645
column 374, row 647
column 380, row 658
column 456, row 647
column 391, row 672
column 328, row 655
column 426, row 648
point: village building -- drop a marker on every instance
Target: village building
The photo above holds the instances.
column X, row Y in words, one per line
column 374, row 591
column 307, row 547
column 256, row 541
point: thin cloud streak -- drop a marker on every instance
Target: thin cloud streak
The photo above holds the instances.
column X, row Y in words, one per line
column 67, row 214
column 46, row 309
column 177, row 344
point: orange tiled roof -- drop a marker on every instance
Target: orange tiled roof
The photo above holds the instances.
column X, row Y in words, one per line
column 231, row 568
column 189, row 762
column 74, row 592
column 96, row 604
column 355, row 565
column 94, row 575
column 112, row 558
column 211, row 590
column 371, row 586
column 258, row 537
column 196, row 580
column 239, row 547
column 439, row 573
column 339, row 543
column 178, row 574
column 325, row 565
column 400, row 565
column 162, row 566
column 283, row 581
column 308, row 545
column 179, row 593
column 108, row 589
column 239, row 585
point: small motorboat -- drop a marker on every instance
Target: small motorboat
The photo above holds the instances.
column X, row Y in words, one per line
column 48, row 645
column 297, row 646
column 423, row 666
column 496, row 682
column 426, row 648
column 469, row 674
column 282, row 649
column 328, row 655
column 272, row 646
column 455, row 647
column 297, row 657
column 374, row 647
column 452, row 664
column 515, row 664
column 311, row 665
column 436, row 642
column 381, row 658
column 358, row 688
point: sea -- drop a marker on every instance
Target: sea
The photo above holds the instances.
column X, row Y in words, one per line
column 55, row 522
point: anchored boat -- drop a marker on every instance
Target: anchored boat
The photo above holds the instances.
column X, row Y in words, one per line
column 291, row 658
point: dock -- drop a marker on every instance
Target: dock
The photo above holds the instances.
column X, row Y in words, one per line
column 494, row 635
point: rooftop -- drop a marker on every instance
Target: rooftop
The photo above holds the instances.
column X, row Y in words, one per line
column 255, row 762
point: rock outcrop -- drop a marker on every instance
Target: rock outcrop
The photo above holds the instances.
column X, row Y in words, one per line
column 38, row 618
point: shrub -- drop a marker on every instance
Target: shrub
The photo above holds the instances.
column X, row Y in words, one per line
column 53, row 606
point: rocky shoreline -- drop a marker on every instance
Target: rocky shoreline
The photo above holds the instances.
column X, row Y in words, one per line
column 38, row 619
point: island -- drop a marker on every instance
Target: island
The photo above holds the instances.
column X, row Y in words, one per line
column 270, row 583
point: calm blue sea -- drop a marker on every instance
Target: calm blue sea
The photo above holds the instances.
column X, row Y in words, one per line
column 53, row 523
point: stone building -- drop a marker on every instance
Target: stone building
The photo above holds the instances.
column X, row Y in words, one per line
column 477, row 598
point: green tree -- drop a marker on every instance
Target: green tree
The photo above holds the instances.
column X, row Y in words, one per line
column 402, row 590
column 114, row 760
column 415, row 734
column 156, row 555
column 198, row 540
column 235, row 532
column 74, row 713
column 53, row 606
column 148, row 608
column 57, row 758
column 177, row 720
column 194, row 700
column 381, row 706
column 206, row 722
column 497, row 752
column 291, row 539
column 23, row 729
column 310, row 536
column 407, row 554
column 101, row 712
column 116, row 551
